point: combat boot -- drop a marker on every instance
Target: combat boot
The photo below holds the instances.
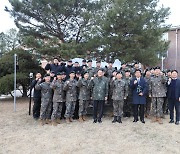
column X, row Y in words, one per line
column 58, row 121
column 81, row 119
column 68, row 120
column 54, row 123
column 115, row 119
column 42, row 122
column 159, row 120
column 48, row 121
column 154, row 119
column 71, row 119
column 84, row 118
column 119, row 120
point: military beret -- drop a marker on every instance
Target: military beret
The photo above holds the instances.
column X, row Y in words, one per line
column 52, row 72
column 157, row 67
column 119, row 72
column 89, row 60
column 85, row 72
column 98, row 61
column 72, row 72
column 78, row 72
column 70, row 61
column 63, row 73
column 60, row 73
column 46, row 75
column 127, row 70
column 101, row 69
column 84, row 60
column 114, row 71
column 77, row 62
column 169, row 71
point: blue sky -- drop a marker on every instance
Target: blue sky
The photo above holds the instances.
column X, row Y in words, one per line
column 174, row 19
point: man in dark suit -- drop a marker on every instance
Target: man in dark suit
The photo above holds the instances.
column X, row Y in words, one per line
column 140, row 88
column 174, row 96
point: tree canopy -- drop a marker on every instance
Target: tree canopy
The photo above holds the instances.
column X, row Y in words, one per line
column 128, row 30
column 26, row 63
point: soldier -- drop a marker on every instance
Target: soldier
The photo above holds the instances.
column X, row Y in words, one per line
column 90, row 69
column 84, row 65
column 127, row 108
column 69, row 68
column 84, row 95
column 110, row 89
column 152, row 72
column 76, row 111
column 58, row 98
column 140, row 90
column 99, row 87
column 70, row 87
column 56, row 66
column 77, row 67
column 135, row 67
column 64, row 103
column 109, row 70
column 46, row 98
column 36, row 97
column 123, row 68
column 98, row 66
column 120, row 92
column 148, row 99
column 157, row 92
column 52, row 76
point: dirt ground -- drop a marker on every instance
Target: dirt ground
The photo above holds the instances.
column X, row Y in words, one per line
column 21, row 134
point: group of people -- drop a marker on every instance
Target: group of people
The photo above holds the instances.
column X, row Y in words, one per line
column 66, row 91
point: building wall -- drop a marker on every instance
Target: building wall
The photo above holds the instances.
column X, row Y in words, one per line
column 170, row 61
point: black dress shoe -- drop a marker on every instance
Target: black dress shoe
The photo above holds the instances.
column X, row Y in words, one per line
column 95, row 121
column 135, row 120
column 177, row 122
column 143, row 121
column 171, row 121
column 99, row 120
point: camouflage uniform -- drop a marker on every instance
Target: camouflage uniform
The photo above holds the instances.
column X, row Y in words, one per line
column 158, row 92
column 120, row 92
column 71, row 97
column 148, row 99
column 99, row 87
column 58, row 98
column 96, row 70
column 46, row 99
column 90, row 70
column 109, row 72
column 127, row 108
column 165, row 104
column 84, row 95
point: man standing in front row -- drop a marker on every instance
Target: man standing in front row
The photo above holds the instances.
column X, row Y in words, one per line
column 99, row 87
column 174, row 96
column 46, row 98
column 140, row 90
column 157, row 92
